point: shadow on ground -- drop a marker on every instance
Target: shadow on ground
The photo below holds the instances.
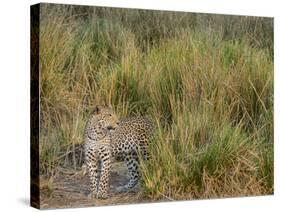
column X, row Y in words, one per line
column 24, row 201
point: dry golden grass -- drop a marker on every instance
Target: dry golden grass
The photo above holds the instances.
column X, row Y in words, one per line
column 206, row 80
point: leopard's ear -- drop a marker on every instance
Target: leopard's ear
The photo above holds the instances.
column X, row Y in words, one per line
column 108, row 106
column 97, row 110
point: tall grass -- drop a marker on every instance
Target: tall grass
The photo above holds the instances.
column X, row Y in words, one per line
column 207, row 81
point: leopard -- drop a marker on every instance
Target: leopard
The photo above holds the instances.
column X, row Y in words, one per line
column 109, row 139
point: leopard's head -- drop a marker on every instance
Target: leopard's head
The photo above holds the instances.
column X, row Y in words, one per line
column 106, row 117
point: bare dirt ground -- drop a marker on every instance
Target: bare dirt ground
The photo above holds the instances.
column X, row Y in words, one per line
column 71, row 189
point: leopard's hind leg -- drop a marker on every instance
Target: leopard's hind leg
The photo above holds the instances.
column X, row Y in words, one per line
column 132, row 163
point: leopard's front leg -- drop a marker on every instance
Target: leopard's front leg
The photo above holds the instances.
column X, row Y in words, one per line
column 105, row 172
column 92, row 170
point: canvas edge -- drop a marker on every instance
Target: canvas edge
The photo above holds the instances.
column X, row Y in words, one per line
column 34, row 106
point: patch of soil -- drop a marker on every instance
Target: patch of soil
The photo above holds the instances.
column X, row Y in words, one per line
column 71, row 189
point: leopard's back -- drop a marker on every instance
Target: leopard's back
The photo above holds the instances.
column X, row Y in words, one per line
column 132, row 134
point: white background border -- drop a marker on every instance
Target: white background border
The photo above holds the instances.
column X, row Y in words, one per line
column 14, row 111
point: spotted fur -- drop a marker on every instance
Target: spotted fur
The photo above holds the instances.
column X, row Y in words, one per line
column 98, row 150
column 108, row 139
column 130, row 139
